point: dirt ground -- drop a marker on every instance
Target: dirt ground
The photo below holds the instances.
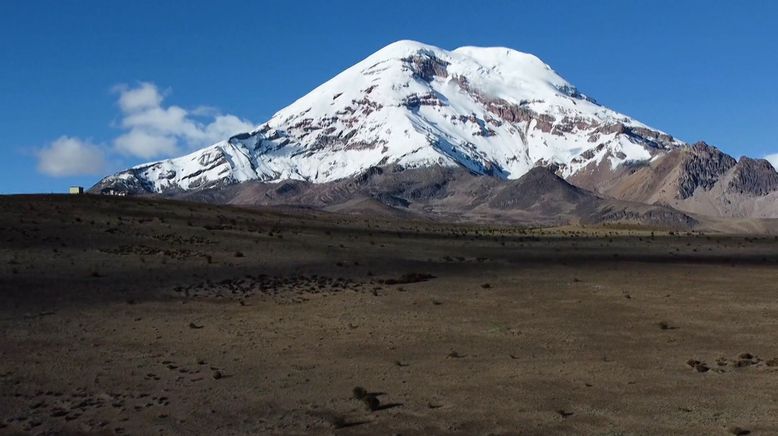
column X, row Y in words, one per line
column 127, row 316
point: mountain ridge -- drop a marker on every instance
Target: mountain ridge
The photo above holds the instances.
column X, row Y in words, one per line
column 492, row 111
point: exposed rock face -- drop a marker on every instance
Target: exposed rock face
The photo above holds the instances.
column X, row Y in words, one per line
column 128, row 182
column 697, row 179
column 414, row 101
column 658, row 216
column 703, row 168
column 507, row 111
column 426, row 66
column 753, row 176
column 543, row 185
column 516, row 114
column 572, row 91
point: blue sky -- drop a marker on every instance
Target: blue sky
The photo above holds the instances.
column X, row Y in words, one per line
column 79, row 75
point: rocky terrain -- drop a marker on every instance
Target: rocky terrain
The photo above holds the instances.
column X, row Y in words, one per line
column 143, row 316
column 453, row 195
column 699, row 179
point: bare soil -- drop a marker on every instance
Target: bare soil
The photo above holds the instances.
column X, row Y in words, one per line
column 136, row 316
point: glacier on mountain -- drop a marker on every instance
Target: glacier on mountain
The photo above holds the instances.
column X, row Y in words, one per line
column 494, row 111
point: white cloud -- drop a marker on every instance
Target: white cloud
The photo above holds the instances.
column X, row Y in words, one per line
column 149, row 130
column 224, row 126
column 773, row 159
column 141, row 144
column 71, row 157
column 158, row 131
column 145, row 95
column 205, row 111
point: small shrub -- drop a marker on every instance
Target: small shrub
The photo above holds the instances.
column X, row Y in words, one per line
column 697, row 365
column 359, row 392
column 338, row 422
column 738, row 431
column 372, row 403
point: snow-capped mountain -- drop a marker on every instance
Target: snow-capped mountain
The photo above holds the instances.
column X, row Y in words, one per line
column 492, row 111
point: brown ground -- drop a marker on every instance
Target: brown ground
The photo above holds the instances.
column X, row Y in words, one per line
column 146, row 317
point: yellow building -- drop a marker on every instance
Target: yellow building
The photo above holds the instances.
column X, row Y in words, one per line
column 76, row 190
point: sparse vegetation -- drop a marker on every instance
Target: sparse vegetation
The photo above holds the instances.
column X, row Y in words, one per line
column 409, row 278
column 372, row 403
column 698, row 365
column 284, row 325
column 359, row 392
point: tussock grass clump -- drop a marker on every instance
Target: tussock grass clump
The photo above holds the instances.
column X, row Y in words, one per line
column 697, row 365
column 338, row 422
column 359, row 392
column 739, row 431
column 372, row 403
column 369, row 399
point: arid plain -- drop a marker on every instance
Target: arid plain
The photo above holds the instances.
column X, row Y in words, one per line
column 138, row 316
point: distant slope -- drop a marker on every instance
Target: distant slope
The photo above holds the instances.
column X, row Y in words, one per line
column 698, row 179
column 537, row 198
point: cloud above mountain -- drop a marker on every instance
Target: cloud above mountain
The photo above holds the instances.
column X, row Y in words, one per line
column 150, row 129
column 154, row 130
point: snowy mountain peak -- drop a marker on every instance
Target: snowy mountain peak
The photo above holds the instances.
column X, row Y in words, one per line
column 494, row 111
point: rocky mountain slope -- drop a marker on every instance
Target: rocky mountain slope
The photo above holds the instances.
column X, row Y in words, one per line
column 699, row 179
column 539, row 197
column 489, row 111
